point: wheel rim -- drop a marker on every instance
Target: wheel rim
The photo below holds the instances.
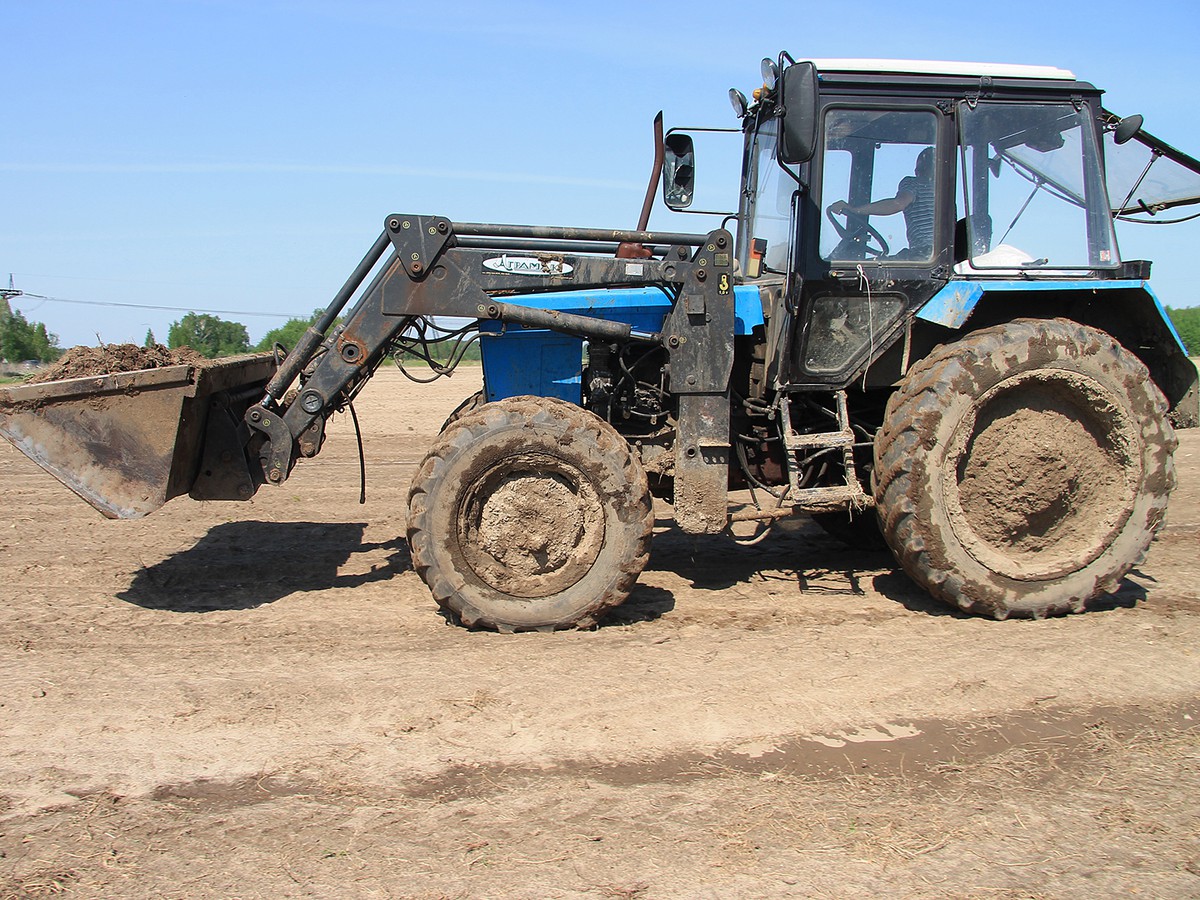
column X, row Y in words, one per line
column 531, row 526
column 1041, row 475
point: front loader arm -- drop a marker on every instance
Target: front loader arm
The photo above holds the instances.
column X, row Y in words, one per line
column 441, row 268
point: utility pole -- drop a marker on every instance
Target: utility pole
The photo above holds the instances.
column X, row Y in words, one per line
column 7, row 294
column 11, row 291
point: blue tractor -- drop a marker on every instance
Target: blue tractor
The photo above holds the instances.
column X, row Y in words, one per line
column 916, row 327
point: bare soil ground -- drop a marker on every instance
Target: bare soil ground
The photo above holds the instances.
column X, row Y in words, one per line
column 259, row 700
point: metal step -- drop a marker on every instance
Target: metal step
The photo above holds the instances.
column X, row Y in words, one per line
column 801, row 444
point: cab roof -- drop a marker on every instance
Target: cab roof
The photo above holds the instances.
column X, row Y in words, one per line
column 941, row 67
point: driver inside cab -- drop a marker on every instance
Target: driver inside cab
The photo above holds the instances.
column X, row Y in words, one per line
column 914, row 198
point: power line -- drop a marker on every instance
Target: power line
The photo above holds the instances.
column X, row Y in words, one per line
column 184, row 309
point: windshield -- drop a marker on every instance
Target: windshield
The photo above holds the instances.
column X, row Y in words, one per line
column 771, row 192
column 1034, row 198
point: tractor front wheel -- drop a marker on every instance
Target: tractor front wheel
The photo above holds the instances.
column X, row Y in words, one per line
column 468, row 406
column 529, row 514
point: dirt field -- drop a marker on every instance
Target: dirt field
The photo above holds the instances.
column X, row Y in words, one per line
column 260, row 700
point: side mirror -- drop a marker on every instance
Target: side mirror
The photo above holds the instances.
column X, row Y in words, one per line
column 1127, row 128
column 798, row 96
column 679, row 171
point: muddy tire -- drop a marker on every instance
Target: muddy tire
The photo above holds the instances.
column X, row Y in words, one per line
column 468, row 406
column 1024, row 470
column 529, row 514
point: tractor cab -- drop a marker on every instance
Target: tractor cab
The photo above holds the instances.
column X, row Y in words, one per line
column 889, row 196
column 898, row 178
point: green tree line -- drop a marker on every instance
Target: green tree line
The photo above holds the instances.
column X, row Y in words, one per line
column 22, row 340
column 1187, row 323
column 211, row 336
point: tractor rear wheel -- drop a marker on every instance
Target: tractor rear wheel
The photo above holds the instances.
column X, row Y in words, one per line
column 1024, row 470
column 529, row 514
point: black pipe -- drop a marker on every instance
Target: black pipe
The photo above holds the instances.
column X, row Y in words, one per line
column 534, row 245
column 308, row 344
column 360, row 272
column 384, row 271
column 568, row 323
column 578, row 234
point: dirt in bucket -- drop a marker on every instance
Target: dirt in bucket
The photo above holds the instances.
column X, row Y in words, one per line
column 85, row 362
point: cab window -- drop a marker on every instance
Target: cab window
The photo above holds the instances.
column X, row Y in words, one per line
column 878, row 185
column 1035, row 198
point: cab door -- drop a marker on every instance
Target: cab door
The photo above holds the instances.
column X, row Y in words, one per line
column 877, row 234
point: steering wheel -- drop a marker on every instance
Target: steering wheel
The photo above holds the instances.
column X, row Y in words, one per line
column 863, row 236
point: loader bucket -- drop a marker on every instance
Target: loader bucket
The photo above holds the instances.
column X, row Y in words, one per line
column 130, row 441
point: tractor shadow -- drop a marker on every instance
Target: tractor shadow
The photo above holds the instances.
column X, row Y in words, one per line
column 243, row 565
column 899, row 587
column 799, row 551
column 1129, row 593
column 718, row 562
column 820, row 564
column 645, row 604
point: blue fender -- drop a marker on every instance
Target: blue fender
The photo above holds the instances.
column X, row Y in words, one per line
column 1127, row 309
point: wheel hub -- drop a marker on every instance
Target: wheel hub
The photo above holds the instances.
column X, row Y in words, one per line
column 532, row 528
column 1044, row 475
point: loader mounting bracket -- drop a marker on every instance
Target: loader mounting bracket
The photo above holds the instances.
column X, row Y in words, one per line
column 278, row 451
column 419, row 240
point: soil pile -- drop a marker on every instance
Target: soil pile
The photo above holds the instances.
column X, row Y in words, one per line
column 86, row 362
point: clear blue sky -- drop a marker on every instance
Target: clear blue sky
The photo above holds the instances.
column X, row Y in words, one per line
column 241, row 155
